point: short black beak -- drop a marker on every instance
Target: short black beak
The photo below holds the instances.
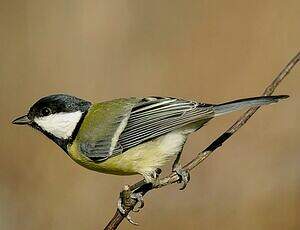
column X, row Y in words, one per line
column 24, row 120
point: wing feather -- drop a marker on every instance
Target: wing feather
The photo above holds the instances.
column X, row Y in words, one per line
column 149, row 118
column 158, row 117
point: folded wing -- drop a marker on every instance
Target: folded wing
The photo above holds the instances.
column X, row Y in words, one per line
column 150, row 118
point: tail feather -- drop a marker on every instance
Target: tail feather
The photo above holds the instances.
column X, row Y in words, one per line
column 247, row 102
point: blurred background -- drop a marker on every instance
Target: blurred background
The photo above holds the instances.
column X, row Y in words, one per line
column 208, row 51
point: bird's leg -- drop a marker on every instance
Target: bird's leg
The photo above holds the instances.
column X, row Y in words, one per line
column 126, row 200
column 152, row 177
column 137, row 192
column 184, row 175
column 133, row 194
column 140, row 201
column 155, row 177
column 128, row 195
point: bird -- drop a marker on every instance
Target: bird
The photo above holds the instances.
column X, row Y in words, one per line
column 127, row 136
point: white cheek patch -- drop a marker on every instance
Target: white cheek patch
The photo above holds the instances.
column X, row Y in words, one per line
column 60, row 125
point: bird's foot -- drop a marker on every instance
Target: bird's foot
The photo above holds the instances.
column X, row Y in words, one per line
column 184, row 176
column 127, row 199
column 155, row 177
column 152, row 178
column 140, row 201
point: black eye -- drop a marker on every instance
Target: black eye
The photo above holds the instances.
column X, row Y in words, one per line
column 45, row 111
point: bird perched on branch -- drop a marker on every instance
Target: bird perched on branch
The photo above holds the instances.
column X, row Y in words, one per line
column 130, row 135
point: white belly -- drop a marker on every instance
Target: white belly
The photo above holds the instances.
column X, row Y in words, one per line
column 147, row 157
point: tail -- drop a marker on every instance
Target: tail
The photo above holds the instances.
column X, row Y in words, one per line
column 231, row 106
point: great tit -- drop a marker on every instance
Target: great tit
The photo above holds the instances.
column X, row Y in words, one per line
column 130, row 135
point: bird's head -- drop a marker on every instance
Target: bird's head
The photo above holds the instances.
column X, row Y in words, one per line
column 57, row 116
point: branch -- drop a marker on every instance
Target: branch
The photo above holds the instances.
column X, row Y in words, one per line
column 173, row 177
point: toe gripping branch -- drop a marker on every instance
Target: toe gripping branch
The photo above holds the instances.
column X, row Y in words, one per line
column 132, row 200
column 184, row 177
column 126, row 203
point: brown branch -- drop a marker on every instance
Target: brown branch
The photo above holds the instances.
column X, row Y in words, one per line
column 173, row 177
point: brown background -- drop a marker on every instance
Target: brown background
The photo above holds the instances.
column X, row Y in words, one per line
column 210, row 51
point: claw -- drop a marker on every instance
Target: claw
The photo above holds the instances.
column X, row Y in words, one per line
column 127, row 196
column 122, row 199
column 120, row 206
column 140, row 201
column 184, row 177
column 130, row 220
column 123, row 211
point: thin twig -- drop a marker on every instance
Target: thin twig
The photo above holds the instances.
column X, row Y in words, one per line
column 173, row 177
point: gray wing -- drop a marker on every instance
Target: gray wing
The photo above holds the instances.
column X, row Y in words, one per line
column 150, row 118
column 156, row 116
